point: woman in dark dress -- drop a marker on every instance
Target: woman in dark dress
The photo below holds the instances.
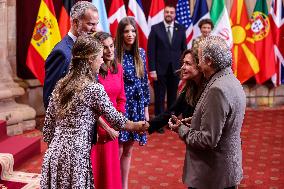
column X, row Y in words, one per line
column 185, row 104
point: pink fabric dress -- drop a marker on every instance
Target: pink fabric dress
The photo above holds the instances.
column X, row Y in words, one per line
column 105, row 154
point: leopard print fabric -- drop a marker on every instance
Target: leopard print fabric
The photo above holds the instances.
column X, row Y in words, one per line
column 66, row 163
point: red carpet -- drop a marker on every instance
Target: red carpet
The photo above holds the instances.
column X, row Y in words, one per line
column 10, row 184
column 15, row 179
column 263, row 149
column 19, row 146
column 159, row 164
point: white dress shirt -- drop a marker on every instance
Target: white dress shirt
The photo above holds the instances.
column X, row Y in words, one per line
column 171, row 27
column 74, row 38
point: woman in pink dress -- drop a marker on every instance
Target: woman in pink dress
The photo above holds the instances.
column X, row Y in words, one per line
column 105, row 154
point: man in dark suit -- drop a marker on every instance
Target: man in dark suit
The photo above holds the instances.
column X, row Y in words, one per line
column 84, row 20
column 166, row 43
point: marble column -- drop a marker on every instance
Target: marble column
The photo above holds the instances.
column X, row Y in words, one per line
column 19, row 117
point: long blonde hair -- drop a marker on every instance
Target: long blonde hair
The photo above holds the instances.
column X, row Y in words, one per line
column 119, row 41
column 80, row 72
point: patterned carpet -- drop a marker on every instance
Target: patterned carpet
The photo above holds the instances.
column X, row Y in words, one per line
column 159, row 164
column 16, row 179
column 263, row 149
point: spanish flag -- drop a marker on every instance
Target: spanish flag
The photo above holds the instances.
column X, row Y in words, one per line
column 245, row 62
column 45, row 36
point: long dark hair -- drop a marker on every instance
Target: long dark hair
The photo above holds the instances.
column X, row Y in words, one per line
column 101, row 36
column 80, row 72
column 119, row 42
column 192, row 89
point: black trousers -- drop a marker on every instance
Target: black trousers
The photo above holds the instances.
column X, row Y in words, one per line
column 232, row 187
column 165, row 83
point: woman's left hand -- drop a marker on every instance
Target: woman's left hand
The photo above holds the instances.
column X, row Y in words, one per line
column 113, row 134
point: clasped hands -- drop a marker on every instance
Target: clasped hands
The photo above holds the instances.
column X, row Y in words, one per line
column 175, row 123
column 139, row 127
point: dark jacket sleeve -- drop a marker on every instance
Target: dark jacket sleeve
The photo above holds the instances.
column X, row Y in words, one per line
column 56, row 67
column 178, row 108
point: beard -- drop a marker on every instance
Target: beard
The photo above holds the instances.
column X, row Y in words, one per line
column 169, row 19
column 81, row 30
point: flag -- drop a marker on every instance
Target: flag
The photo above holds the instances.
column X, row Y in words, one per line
column 221, row 20
column 200, row 12
column 245, row 62
column 156, row 13
column 45, row 36
column 260, row 25
column 103, row 21
column 276, row 17
column 64, row 17
column 183, row 17
column 115, row 14
column 278, row 77
column 135, row 9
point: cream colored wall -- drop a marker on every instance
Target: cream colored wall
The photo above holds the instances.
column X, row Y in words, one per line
column 249, row 3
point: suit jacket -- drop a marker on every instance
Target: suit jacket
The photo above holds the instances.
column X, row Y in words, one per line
column 213, row 154
column 56, row 66
column 162, row 54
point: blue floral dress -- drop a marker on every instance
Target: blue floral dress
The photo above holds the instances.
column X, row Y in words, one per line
column 137, row 95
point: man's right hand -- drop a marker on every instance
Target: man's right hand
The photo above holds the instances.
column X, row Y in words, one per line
column 187, row 121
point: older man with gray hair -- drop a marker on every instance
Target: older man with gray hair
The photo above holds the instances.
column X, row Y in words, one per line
column 213, row 154
column 84, row 20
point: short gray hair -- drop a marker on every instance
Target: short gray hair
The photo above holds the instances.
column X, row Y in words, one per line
column 216, row 49
column 79, row 9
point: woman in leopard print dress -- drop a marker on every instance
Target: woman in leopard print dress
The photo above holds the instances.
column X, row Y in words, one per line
column 77, row 101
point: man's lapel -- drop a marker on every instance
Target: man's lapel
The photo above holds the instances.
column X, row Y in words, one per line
column 175, row 33
column 69, row 41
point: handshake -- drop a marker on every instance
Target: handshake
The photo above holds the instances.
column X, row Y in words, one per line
column 175, row 123
column 139, row 127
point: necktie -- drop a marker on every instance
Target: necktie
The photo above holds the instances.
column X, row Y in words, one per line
column 169, row 34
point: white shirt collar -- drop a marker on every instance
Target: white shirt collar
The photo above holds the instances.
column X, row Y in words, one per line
column 74, row 38
column 171, row 25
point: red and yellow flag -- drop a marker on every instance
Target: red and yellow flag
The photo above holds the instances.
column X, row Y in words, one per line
column 64, row 18
column 245, row 62
column 260, row 25
column 45, row 36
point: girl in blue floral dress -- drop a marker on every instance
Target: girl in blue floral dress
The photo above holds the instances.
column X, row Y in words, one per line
column 133, row 60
